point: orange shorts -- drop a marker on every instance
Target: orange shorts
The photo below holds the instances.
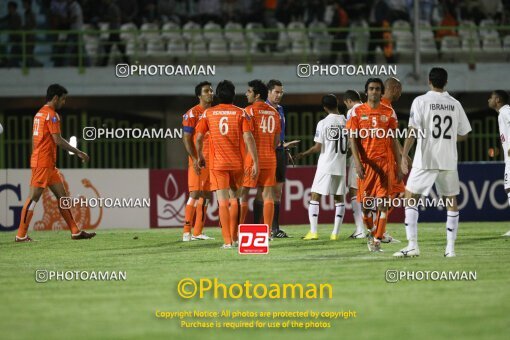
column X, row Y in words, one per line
column 266, row 178
column 44, row 177
column 377, row 181
column 226, row 179
column 198, row 183
column 396, row 186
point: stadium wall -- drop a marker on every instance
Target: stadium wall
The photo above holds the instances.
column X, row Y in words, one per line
column 482, row 198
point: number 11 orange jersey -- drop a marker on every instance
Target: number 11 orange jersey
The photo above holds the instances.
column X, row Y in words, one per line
column 44, row 153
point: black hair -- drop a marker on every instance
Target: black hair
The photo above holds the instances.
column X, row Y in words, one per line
column 272, row 83
column 342, row 108
column 259, row 88
column 374, row 80
column 352, row 95
column 12, row 4
column 330, row 102
column 226, row 91
column 55, row 90
column 502, row 95
column 438, row 77
column 198, row 88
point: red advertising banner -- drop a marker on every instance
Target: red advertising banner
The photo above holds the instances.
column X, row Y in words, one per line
column 169, row 192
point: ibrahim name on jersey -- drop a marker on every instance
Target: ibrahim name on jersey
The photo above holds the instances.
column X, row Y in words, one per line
column 332, row 135
column 440, row 118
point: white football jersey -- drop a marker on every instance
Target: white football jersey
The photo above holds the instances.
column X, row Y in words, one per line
column 504, row 129
column 439, row 118
column 350, row 160
column 331, row 133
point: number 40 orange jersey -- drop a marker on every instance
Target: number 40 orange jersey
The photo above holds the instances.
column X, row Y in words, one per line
column 266, row 126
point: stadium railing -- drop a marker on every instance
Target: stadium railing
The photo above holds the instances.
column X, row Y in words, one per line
column 237, row 45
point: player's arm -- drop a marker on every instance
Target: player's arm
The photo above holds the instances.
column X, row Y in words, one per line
column 201, row 129
column 462, row 138
column 395, row 146
column 60, row 141
column 408, row 144
column 276, row 141
column 360, row 170
column 252, row 150
column 314, row 149
column 187, row 139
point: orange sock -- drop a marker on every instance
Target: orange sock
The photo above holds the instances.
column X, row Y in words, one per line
column 200, row 216
column 189, row 214
column 244, row 212
column 26, row 216
column 225, row 221
column 381, row 225
column 368, row 221
column 234, row 218
column 68, row 217
column 268, row 213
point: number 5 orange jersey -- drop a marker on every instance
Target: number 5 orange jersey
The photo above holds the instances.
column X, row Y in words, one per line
column 226, row 124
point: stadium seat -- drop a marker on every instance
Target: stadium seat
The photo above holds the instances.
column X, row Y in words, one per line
column 428, row 45
column 404, row 46
column 298, row 38
column 471, row 44
column 129, row 34
column 152, row 39
column 486, row 29
column 234, row 32
column 467, row 28
column 254, row 37
column 321, row 39
column 192, row 31
column 197, row 47
column 213, row 31
column 491, row 44
column 91, row 41
column 218, row 46
column 400, row 28
column 506, row 43
column 104, row 27
column 358, row 39
column 426, row 30
column 171, row 31
column 450, row 47
column 176, row 47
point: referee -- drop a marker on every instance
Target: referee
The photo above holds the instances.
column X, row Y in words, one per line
column 275, row 94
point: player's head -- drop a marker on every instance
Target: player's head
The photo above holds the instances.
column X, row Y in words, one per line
column 330, row 103
column 350, row 98
column 275, row 91
column 392, row 89
column 204, row 92
column 226, row 92
column 438, row 77
column 257, row 90
column 498, row 99
column 374, row 89
column 56, row 94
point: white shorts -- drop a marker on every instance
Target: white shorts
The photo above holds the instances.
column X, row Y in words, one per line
column 326, row 184
column 352, row 177
column 420, row 181
column 507, row 176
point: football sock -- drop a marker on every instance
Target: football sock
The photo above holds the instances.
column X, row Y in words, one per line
column 258, row 206
column 189, row 213
column 201, row 211
column 368, row 221
column 225, row 221
column 234, row 218
column 71, row 223
column 339, row 217
column 276, row 217
column 411, row 222
column 313, row 215
column 358, row 219
column 26, row 215
column 452, row 225
column 268, row 213
column 381, row 225
column 244, row 212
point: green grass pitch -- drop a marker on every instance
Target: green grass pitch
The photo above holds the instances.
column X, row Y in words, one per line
column 155, row 261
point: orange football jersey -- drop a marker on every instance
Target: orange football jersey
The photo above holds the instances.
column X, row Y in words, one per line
column 44, row 153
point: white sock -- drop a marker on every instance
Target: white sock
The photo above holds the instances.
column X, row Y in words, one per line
column 339, row 217
column 358, row 219
column 313, row 215
column 452, row 225
column 509, row 199
column 411, row 222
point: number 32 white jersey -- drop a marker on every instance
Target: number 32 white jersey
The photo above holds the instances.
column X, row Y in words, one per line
column 331, row 133
column 439, row 118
